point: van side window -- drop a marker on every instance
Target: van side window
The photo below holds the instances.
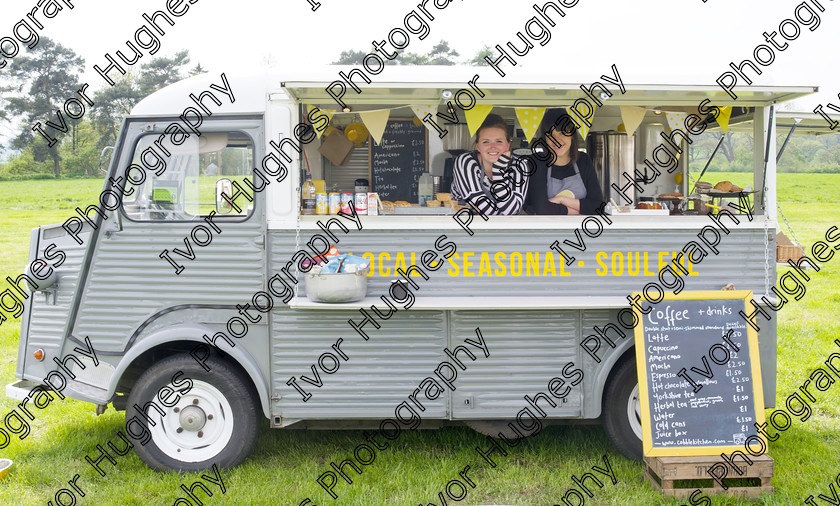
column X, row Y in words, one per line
column 182, row 185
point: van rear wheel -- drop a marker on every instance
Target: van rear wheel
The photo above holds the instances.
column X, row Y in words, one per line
column 199, row 418
column 621, row 411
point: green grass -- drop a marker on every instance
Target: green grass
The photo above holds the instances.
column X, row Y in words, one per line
column 285, row 463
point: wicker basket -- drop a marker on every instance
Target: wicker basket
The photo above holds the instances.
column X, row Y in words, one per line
column 786, row 249
column 786, row 252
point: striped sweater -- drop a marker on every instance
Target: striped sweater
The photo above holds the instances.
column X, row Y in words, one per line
column 503, row 195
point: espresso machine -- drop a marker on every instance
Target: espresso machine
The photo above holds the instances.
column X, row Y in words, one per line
column 455, row 142
column 613, row 154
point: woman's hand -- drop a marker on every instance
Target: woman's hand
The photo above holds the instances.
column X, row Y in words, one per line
column 572, row 205
column 562, row 199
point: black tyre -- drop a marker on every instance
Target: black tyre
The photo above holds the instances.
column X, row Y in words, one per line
column 209, row 417
column 621, row 411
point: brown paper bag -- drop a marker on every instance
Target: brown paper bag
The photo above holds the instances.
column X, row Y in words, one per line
column 336, row 147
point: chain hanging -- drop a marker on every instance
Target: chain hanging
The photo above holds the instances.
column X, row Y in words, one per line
column 297, row 221
column 792, row 233
column 297, row 235
column 766, row 245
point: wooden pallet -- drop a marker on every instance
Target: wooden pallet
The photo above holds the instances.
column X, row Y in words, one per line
column 662, row 472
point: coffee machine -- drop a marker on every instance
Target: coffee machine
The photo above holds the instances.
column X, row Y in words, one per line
column 613, row 156
column 455, row 142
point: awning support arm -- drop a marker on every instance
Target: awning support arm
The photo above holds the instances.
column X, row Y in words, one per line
column 700, row 178
column 790, row 133
column 766, row 158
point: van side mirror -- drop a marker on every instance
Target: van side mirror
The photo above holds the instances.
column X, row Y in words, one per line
column 103, row 161
column 224, row 190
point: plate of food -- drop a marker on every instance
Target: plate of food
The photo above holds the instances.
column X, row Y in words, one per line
column 728, row 189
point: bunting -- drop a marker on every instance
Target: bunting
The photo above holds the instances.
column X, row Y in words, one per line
column 581, row 122
column 375, row 121
column 475, row 116
column 422, row 110
column 676, row 120
column 530, row 119
column 320, row 126
column 632, row 118
column 723, row 117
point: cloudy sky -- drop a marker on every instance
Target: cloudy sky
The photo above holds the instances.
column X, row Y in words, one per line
column 642, row 37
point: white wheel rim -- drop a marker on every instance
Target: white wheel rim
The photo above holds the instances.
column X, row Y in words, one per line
column 634, row 412
column 205, row 420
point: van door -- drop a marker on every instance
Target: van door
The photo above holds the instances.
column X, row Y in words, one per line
column 170, row 246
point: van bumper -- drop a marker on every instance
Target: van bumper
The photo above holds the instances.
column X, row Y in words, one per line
column 20, row 389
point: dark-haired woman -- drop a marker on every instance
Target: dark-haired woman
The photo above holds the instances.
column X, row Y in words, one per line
column 566, row 183
column 490, row 178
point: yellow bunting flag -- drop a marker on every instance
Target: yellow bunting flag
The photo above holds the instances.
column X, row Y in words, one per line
column 422, row 110
column 318, row 123
column 676, row 120
column 632, row 118
column 580, row 121
column 530, row 119
column 723, row 117
column 476, row 115
column 375, row 122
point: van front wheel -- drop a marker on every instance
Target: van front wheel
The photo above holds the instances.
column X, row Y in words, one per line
column 621, row 411
column 193, row 418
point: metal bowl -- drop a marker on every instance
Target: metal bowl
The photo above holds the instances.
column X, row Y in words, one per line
column 340, row 287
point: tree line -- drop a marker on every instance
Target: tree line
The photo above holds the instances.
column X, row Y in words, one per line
column 35, row 85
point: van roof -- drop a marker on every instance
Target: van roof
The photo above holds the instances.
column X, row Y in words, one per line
column 410, row 85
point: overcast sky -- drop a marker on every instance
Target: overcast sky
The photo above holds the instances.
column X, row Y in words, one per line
column 638, row 35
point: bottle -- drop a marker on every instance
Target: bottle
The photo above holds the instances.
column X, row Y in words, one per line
column 307, row 195
column 424, row 188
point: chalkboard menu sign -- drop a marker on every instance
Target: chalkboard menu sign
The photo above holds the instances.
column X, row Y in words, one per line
column 697, row 361
column 397, row 162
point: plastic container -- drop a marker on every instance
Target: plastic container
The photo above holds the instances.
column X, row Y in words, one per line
column 425, row 188
column 361, row 185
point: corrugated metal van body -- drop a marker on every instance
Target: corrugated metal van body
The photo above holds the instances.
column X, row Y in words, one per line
column 518, row 263
column 46, row 314
column 527, row 347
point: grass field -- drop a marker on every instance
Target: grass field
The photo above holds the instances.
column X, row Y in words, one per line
column 285, row 463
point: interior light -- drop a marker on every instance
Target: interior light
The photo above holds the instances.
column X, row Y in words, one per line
column 346, row 109
column 446, row 94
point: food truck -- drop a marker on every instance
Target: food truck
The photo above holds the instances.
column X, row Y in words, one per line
column 181, row 296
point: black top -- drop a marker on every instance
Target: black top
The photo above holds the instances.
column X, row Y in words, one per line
column 536, row 201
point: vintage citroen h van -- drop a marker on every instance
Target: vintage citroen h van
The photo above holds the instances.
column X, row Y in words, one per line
column 182, row 300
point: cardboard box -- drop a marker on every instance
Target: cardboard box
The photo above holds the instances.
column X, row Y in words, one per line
column 786, row 250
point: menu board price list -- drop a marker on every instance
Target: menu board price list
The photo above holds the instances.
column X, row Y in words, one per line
column 398, row 161
column 698, row 373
